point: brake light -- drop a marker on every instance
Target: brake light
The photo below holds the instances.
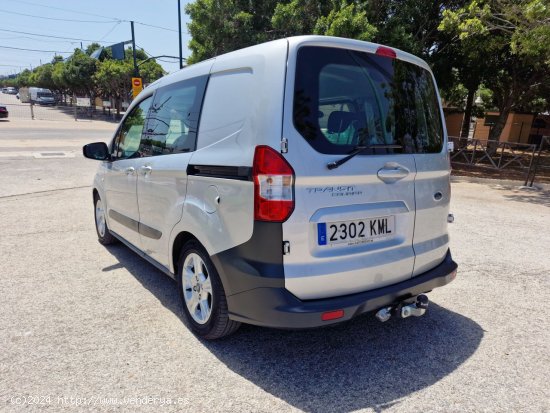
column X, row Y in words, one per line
column 386, row 52
column 273, row 185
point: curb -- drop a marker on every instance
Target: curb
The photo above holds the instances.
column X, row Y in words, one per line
column 503, row 182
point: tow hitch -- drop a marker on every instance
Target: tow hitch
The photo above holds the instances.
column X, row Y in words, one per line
column 404, row 310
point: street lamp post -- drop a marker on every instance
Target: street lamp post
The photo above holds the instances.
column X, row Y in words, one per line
column 136, row 72
column 179, row 32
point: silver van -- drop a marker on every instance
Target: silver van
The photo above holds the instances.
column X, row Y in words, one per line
column 292, row 184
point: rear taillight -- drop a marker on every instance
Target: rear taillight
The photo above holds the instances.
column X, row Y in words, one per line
column 273, row 185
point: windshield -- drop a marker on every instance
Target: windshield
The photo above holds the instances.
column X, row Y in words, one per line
column 345, row 98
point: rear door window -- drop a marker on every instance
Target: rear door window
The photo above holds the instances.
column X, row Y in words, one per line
column 345, row 98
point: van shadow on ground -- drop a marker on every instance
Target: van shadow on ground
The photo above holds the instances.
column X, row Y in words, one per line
column 355, row 365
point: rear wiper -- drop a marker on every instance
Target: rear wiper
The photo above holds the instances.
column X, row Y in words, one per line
column 357, row 150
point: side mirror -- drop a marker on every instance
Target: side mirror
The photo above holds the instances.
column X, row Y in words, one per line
column 98, row 151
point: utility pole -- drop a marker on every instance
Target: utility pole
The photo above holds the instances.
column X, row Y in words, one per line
column 179, row 27
column 136, row 72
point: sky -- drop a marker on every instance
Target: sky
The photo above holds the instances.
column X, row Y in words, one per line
column 61, row 25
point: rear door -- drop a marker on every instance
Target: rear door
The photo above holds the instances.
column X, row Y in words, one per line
column 353, row 226
column 433, row 193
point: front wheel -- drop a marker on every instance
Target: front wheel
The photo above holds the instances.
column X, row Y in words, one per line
column 202, row 294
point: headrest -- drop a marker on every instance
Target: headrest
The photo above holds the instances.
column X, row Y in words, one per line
column 339, row 121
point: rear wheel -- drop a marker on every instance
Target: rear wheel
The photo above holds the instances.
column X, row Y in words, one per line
column 202, row 294
column 104, row 236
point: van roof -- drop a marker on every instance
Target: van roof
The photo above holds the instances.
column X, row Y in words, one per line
column 204, row 67
column 360, row 45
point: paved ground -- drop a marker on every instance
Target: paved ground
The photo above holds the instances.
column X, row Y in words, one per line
column 99, row 325
column 45, row 155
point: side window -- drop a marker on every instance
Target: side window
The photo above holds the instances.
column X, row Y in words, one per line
column 127, row 142
column 174, row 118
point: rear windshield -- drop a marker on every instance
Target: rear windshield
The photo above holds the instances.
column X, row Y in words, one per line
column 345, row 98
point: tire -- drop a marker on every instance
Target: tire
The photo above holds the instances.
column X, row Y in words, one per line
column 202, row 294
column 104, row 236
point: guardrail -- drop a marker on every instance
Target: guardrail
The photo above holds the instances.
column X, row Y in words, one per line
column 499, row 155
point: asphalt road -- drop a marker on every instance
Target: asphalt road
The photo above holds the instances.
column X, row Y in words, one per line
column 89, row 328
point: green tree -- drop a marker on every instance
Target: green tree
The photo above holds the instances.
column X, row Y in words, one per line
column 471, row 61
column 151, row 71
column 220, row 26
column 24, row 78
column 58, row 78
column 346, row 21
column 516, row 49
column 299, row 17
column 148, row 68
column 113, row 78
column 92, row 47
column 78, row 72
column 411, row 25
column 42, row 77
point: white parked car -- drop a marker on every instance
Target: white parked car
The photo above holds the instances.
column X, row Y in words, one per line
column 292, row 184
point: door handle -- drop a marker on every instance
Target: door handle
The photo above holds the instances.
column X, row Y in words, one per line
column 391, row 174
column 146, row 169
column 130, row 170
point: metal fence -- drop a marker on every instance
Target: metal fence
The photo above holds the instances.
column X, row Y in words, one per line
column 540, row 164
column 58, row 112
column 522, row 157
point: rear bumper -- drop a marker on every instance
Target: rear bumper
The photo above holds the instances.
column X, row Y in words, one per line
column 277, row 307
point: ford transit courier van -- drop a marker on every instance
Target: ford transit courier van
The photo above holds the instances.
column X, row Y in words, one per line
column 292, row 184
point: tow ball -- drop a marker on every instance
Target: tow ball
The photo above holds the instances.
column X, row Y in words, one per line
column 404, row 310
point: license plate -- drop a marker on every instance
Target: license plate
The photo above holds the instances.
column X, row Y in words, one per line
column 355, row 232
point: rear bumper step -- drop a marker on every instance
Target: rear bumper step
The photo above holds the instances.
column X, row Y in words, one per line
column 277, row 307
